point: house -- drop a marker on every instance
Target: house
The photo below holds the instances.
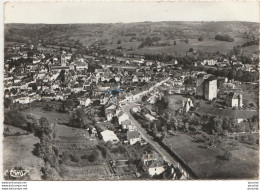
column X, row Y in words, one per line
column 22, row 100
column 148, row 158
column 81, row 65
column 108, row 135
column 131, row 128
column 104, row 100
column 126, row 123
column 93, row 132
column 133, row 137
column 122, row 117
column 156, row 168
column 135, row 79
column 210, row 62
column 234, row 100
column 110, row 112
column 136, row 109
column 149, row 63
column 150, row 117
column 84, row 101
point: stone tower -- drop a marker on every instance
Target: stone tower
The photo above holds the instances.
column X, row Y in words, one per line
column 210, row 88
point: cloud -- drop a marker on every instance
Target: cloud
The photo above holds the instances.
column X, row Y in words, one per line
column 112, row 12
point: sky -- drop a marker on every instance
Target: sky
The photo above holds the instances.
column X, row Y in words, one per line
column 113, row 12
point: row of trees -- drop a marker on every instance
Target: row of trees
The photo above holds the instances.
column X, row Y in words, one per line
column 250, row 43
column 240, row 75
column 224, row 38
column 149, row 41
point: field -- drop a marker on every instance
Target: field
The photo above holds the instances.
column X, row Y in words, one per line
column 53, row 117
column 10, row 130
column 107, row 36
column 75, row 148
column 86, row 173
column 208, row 109
column 210, row 46
column 18, row 152
column 207, row 164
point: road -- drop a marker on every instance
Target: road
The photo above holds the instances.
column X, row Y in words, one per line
column 166, row 156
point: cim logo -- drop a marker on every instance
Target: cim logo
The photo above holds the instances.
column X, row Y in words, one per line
column 18, row 172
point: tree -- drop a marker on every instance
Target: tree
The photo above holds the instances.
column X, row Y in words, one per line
column 144, row 98
column 44, row 130
column 161, row 104
column 67, row 105
column 94, row 156
column 16, row 119
column 227, row 155
column 81, row 119
column 232, row 74
column 122, row 149
column 8, row 103
column 200, row 39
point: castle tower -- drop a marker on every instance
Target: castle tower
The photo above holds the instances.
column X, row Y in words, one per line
column 210, row 89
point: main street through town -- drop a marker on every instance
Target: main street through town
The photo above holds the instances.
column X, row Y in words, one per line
column 166, row 156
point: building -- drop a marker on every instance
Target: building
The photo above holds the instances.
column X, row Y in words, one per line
column 148, row 158
column 210, row 89
column 210, row 62
column 110, row 112
column 156, row 168
column 63, row 60
column 150, row 117
column 133, row 137
column 234, row 100
column 84, row 101
column 108, row 135
column 206, row 87
column 126, row 123
column 122, row 117
column 187, row 105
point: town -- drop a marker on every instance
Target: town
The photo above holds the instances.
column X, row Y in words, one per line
column 91, row 113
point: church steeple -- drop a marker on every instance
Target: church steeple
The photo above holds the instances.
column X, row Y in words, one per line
column 63, row 60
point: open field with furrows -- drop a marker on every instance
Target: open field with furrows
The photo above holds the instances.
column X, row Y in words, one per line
column 96, row 172
column 17, row 151
column 207, row 163
column 68, row 138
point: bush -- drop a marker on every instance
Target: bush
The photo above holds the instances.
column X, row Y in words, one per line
column 224, row 38
column 94, row 156
column 74, row 158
